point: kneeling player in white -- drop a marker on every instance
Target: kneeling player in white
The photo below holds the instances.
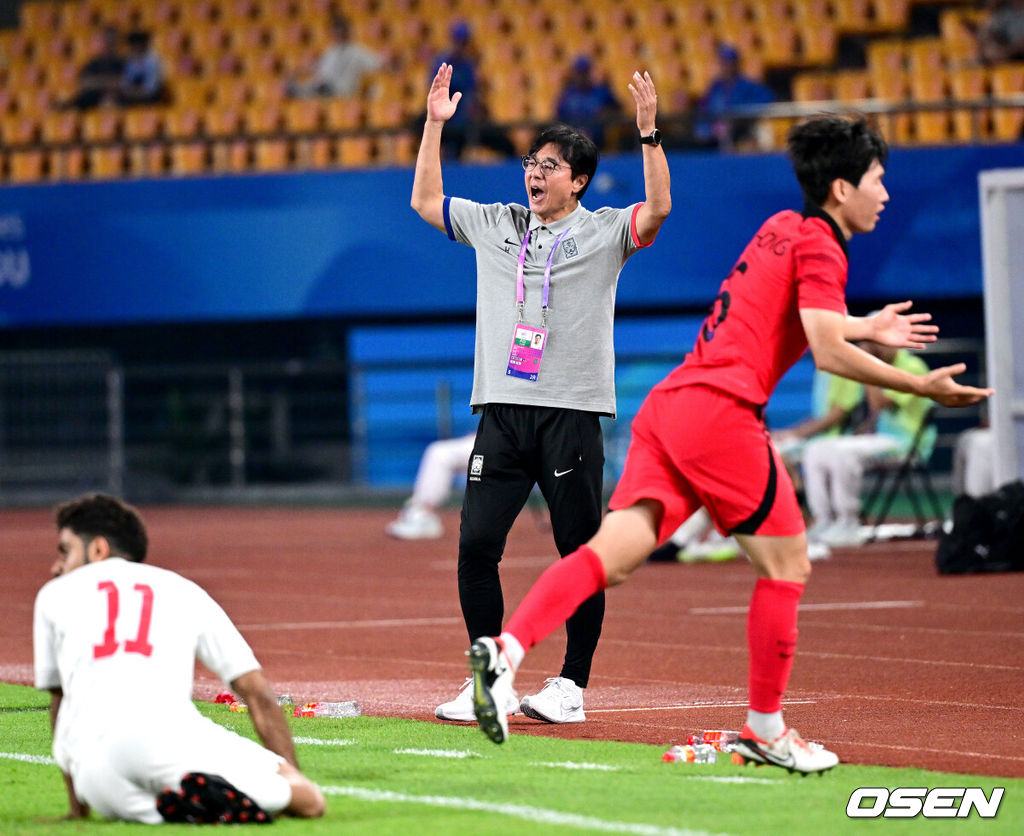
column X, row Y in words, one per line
column 115, row 643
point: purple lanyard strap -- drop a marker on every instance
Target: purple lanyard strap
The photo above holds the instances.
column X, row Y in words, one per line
column 520, row 287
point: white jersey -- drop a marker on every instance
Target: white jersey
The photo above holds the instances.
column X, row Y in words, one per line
column 120, row 639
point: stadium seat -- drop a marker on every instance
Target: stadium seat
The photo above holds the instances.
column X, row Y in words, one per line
column 67, row 163
column 101, row 125
column 143, row 123
column 20, row 129
column 302, row 115
column 189, row 158
column 812, row 87
column 183, row 123
column 106, row 162
column 262, row 118
column 60, row 127
column 355, row 151
column 222, row 122
column 271, row 155
column 26, row 166
column 314, row 153
column 970, row 84
column 1008, row 80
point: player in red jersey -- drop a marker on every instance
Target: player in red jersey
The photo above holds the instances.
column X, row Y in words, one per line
column 700, row 440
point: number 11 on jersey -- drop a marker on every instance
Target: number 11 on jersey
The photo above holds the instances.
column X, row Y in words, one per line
column 140, row 644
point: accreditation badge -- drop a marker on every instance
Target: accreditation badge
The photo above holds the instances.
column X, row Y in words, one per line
column 528, row 343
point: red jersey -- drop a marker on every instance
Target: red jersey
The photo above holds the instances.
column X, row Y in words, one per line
column 753, row 334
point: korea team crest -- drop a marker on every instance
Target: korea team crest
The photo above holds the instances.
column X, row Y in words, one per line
column 569, row 248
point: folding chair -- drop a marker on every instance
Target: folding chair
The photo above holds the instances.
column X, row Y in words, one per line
column 909, row 473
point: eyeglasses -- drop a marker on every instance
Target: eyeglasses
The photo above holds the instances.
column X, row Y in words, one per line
column 547, row 167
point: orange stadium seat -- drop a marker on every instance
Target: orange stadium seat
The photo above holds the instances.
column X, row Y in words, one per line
column 344, row 114
column 262, row 118
column 101, row 125
column 355, row 151
column 20, row 129
column 314, row 153
column 222, row 121
column 302, row 115
column 812, row 87
column 26, row 166
column 143, row 123
column 107, row 162
column 60, row 127
column 67, row 163
column 271, row 155
column 970, row 84
column 1008, row 80
column 189, row 158
column 234, row 156
column 183, row 123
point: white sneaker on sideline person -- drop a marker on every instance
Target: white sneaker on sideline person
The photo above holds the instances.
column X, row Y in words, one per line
column 460, row 709
column 844, row 534
column 817, row 550
column 559, row 701
column 416, row 523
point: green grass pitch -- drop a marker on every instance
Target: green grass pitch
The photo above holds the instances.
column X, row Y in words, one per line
column 390, row 776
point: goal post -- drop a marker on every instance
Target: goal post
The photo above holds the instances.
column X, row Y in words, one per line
column 1001, row 196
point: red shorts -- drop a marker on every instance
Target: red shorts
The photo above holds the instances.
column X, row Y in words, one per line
column 693, row 446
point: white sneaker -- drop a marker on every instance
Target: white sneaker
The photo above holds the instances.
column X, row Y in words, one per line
column 713, row 550
column 416, row 523
column 788, row 750
column 843, row 534
column 460, row 709
column 818, row 551
column 492, row 687
column 817, row 531
column 559, row 701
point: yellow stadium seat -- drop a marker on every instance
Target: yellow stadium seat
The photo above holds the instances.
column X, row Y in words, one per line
column 302, row 115
column 344, row 114
column 189, row 158
column 817, row 43
column 67, row 163
column 851, row 85
column 20, row 129
column 183, row 123
column 59, row 127
column 355, row 151
column 101, row 125
column 106, row 162
column 143, row 123
column 260, row 119
column 40, row 17
column 232, row 156
column 222, row 121
column 812, row 87
column 314, row 153
column 970, row 84
column 781, row 44
column 1008, row 80
column 271, row 155
column 26, row 166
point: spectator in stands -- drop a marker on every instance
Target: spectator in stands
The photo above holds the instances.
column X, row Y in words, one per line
column 729, row 89
column 100, row 77
column 834, row 466
column 341, row 69
column 442, row 461
column 471, row 125
column 1001, row 37
column 142, row 80
column 585, row 102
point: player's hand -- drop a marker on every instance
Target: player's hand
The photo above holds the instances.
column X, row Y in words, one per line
column 892, row 326
column 440, row 106
column 646, row 98
column 939, row 385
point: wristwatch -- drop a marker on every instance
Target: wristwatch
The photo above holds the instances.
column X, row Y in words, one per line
column 653, row 138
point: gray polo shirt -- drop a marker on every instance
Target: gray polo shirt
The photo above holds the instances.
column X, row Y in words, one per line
column 578, row 368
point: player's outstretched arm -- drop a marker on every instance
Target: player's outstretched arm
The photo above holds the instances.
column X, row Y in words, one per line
column 657, row 187
column 826, row 335
column 266, row 715
column 893, row 326
column 427, row 185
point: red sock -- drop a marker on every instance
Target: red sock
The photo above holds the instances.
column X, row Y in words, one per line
column 771, row 637
column 555, row 596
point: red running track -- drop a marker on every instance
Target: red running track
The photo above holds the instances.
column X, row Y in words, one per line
column 895, row 664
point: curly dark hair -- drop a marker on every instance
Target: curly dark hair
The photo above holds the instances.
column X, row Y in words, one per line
column 576, row 148
column 832, row 147
column 99, row 515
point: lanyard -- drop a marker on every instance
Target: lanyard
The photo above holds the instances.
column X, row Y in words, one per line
column 520, row 287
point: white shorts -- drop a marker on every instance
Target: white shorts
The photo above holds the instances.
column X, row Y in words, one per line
column 121, row 775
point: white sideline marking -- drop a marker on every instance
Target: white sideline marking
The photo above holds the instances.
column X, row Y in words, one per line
column 16, row 756
column 315, row 741
column 437, row 753
column 519, row 811
column 709, row 704
column 853, row 605
column 733, row 779
column 375, row 622
column 600, row 767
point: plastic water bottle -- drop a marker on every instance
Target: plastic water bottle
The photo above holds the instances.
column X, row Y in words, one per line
column 349, row 708
column 721, row 739
column 691, row 753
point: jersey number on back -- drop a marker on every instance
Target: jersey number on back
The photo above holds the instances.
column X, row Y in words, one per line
column 140, row 644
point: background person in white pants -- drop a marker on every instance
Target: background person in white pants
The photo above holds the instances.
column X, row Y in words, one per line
column 834, row 466
column 974, row 463
column 441, row 463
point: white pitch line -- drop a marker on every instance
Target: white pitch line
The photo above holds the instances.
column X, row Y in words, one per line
column 16, row 756
column 854, row 605
column 339, row 625
column 519, row 811
column 598, row 767
column 724, row 704
column 437, row 753
column 316, row 741
column 732, row 779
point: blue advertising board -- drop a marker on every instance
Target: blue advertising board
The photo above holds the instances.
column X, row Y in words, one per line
column 348, row 244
